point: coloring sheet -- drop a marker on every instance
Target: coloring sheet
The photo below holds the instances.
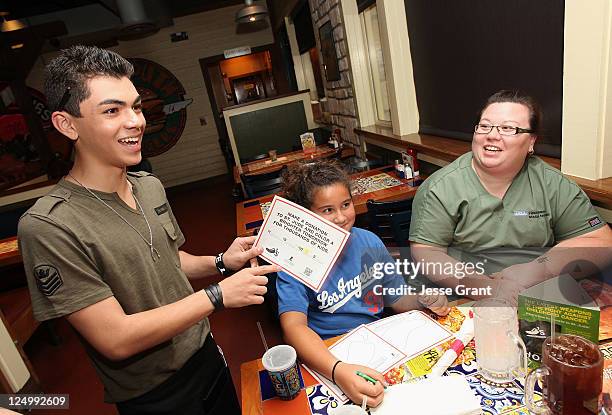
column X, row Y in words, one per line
column 362, row 347
column 412, row 332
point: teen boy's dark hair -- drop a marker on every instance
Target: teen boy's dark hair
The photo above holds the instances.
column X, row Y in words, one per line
column 301, row 181
column 67, row 74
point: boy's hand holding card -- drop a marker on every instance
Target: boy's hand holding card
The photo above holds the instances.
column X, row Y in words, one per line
column 305, row 245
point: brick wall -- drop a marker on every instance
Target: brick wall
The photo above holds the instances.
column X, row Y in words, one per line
column 340, row 96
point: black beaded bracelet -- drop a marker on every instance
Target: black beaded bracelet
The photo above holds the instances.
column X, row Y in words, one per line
column 334, row 371
column 220, row 265
column 215, row 295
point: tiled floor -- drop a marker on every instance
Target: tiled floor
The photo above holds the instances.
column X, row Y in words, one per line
column 206, row 215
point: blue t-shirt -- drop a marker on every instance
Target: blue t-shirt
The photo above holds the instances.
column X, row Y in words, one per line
column 347, row 299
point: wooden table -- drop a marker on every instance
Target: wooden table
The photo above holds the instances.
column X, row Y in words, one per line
column 249, row 216
column 266, row 165
column 9, row 252
column 253, row 405
column 251, row 395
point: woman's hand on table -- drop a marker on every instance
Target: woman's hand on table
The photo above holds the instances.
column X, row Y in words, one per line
column 506, row 289
column 435, row 302
column 355, row 387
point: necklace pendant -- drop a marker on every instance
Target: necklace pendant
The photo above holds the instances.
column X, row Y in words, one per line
column 155, row 253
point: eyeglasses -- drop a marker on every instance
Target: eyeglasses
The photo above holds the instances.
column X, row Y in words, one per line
column 501, row 129
column 64, row 100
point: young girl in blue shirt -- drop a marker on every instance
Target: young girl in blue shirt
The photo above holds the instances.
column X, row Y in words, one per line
column 353, row 293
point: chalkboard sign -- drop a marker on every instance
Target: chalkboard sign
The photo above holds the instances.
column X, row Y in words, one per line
column 275, row 128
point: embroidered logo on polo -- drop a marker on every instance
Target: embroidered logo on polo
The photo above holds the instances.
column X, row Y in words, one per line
column 531, row 214
column 594, row 221
column 48, row 279
column 160, row 210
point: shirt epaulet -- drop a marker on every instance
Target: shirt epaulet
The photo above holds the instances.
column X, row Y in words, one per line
column 452, row 168
column 47, row 203
column 139, row 173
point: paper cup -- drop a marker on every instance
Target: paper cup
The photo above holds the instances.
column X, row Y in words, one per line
column 348, row 410
column 281, row 364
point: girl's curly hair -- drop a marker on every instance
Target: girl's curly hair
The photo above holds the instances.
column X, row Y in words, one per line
column 301, row 180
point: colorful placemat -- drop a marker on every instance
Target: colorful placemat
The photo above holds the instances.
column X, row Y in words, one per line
column 320, row 400
column 371, row 184
column 496, row 399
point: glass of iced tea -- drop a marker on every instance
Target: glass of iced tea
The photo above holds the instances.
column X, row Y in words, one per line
column 571, row 375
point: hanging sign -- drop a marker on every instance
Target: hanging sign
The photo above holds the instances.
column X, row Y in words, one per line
column 232, row 53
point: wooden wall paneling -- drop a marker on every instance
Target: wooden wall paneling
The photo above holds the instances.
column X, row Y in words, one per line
column 197, row 155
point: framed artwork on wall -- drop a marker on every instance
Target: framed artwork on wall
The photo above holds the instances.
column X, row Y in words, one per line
column 248, row 88
column 23, row 155
column 328, row 52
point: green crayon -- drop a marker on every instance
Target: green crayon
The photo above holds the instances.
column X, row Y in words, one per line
column 368, row 378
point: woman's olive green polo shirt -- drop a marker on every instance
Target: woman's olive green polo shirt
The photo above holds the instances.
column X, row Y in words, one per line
column 541, row 208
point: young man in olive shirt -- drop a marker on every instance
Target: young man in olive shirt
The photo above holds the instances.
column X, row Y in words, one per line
column 102, row 249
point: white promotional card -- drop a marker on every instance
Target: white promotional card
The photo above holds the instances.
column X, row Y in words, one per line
column 305, row 245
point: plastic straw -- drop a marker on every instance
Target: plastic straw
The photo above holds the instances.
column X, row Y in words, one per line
column 364, row 402
column 263, row 338
column 552, row 327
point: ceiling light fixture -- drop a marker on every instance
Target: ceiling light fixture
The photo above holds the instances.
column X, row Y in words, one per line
column 136, row 23
column 251, row 13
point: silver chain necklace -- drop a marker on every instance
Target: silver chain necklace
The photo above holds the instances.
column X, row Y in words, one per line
column 154, row 252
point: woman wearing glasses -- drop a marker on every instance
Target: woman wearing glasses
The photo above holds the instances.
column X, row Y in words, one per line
column 499, row 209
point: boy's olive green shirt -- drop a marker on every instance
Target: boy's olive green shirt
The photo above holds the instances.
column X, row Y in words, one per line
column 77, row 252
column 541, row 208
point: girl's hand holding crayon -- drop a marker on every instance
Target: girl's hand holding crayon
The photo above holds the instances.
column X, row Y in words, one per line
column 356, row 386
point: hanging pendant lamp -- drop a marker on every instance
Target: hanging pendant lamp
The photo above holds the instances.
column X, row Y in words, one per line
column 251, row 13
